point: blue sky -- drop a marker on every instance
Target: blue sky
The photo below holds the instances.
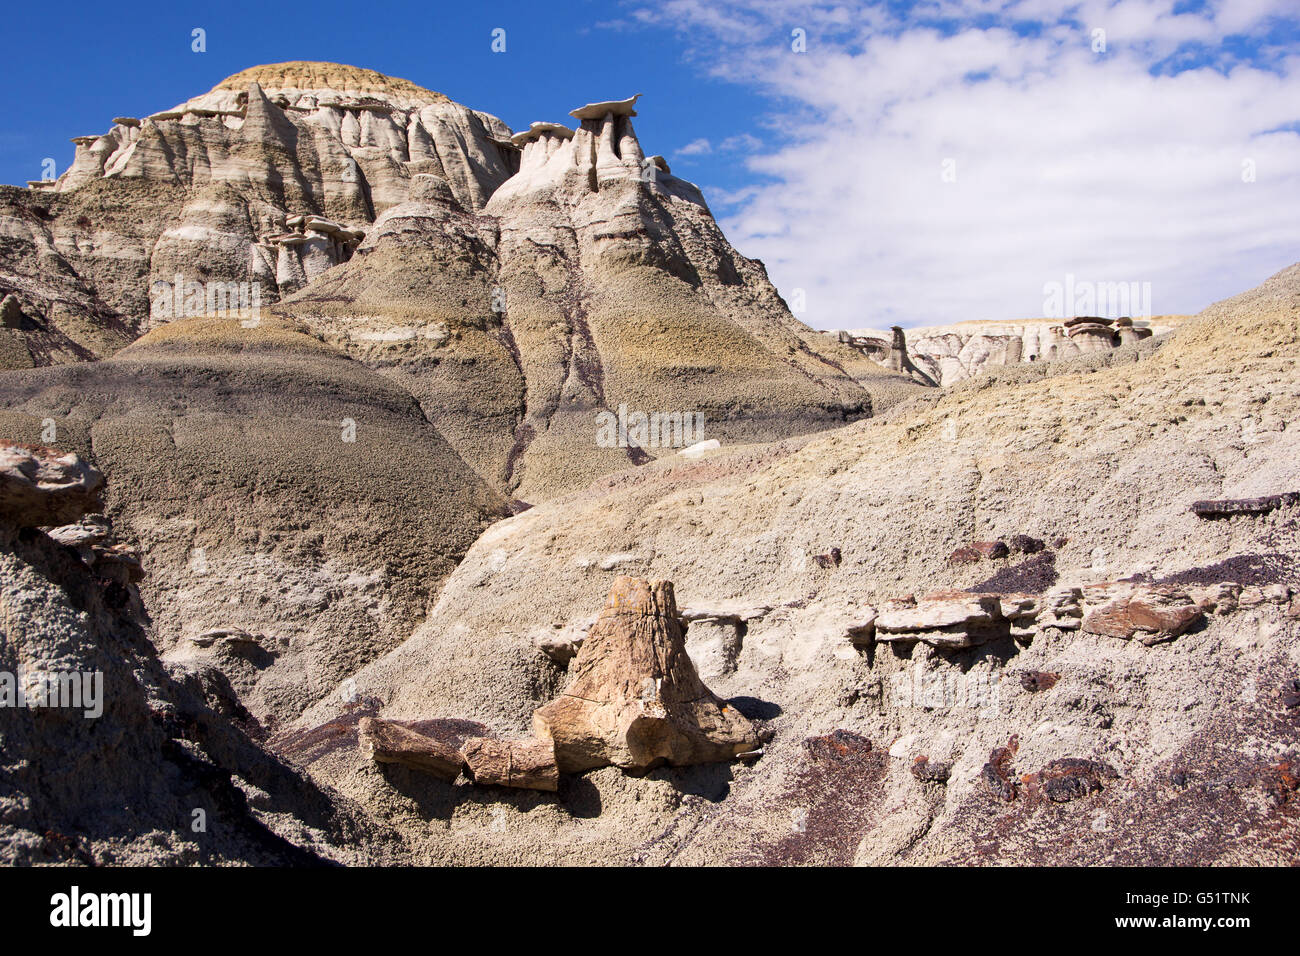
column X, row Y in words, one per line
column 912, row 162
column 69, row 70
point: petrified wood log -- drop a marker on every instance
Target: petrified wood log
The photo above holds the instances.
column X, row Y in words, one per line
column 387, row 742
column 526, row 764
column 1227, row 507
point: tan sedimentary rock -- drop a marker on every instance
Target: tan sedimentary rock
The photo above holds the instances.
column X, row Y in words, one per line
column 200, row 189
column 634, row 699
column 949, row 619
column 387, row 742
column 570, row 295
column 948, row 354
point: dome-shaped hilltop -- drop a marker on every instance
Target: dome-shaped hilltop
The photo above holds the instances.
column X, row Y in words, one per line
column 304, row 75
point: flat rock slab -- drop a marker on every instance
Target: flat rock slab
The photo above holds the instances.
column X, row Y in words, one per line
column 595, row 111
column 939, row 612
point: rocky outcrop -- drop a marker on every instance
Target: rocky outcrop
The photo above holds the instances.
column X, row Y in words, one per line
column 264, row 182
column 252, row 513
column 42, row 487
column 634, row 699
column 1100, row 467
column 949, row 620
column 592, row 280
column 110, row 759
column 949, row 354
column 955, row 620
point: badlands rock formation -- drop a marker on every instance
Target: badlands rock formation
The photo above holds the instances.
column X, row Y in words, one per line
column 1046, row 615
column 517, row 285
column 1102, row 467
column 270, row 178
column 251, row 466
column 109, row 756
column 947, row 354
column 592, row 279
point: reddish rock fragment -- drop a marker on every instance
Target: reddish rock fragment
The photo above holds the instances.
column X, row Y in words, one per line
column 1073, row 777
column 992, row 550
column 1147, row 614
column 1281, row 780
column 1024, row 544
column 997, row 773
column 831, row 559
column 523, row 764
column 927, row 772
column 1034, row 681
column 837, row 745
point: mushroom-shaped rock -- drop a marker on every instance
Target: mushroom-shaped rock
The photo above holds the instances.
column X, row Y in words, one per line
column 524, row 764
column 387, row 742
column 538, row 130
column 39, row 487
column 634, row 698
column 595, row 111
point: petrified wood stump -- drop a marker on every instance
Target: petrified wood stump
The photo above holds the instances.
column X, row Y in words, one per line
column 634, row 698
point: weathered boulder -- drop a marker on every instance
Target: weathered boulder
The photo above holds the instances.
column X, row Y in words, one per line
column 634, row 699
column 40, row 487
column 386, row 741
column 85, row 531
column 1148, row 614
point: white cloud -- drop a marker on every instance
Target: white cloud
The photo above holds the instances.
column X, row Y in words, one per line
column 696, row 147
column 1065, row 161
